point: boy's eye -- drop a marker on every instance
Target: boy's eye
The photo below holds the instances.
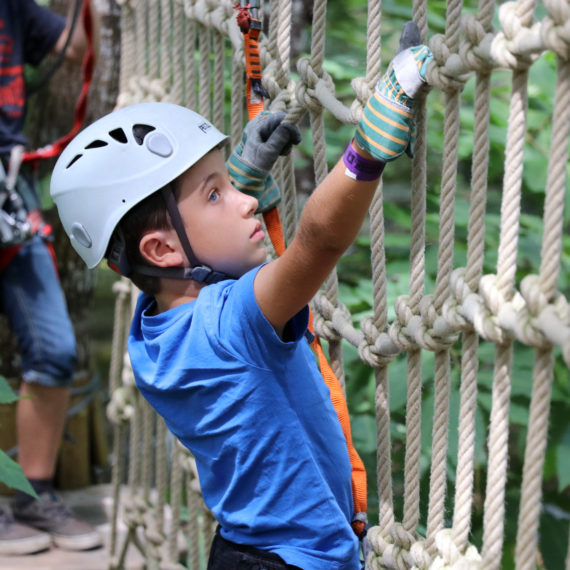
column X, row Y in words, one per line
column 213, row 195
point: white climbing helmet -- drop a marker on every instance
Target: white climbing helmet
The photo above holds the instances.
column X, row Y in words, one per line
column 118, row 161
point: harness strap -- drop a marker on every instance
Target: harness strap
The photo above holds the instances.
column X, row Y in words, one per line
column 87, row 67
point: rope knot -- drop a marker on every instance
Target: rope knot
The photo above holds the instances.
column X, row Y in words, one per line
column 452, row 307
column 324, row 315
column 450, row 558
column 398, row 329
column 120, row 408
column 476, row 50
column 486, row 320
column 446, row 71
column 121, row 288
column 434, row 332
column 399, row 550
column 134, row 508
column 363, row 91
column 555, row 29
column 309, row 83
column 376, row 348
column 519, row 44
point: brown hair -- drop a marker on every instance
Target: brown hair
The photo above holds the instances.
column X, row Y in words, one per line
column 149, row 214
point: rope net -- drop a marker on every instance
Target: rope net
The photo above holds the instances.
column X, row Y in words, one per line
column 186, row 52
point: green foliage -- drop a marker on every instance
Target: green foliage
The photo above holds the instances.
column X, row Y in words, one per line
column 11, row 473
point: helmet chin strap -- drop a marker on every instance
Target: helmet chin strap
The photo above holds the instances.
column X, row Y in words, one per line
column 197, row 271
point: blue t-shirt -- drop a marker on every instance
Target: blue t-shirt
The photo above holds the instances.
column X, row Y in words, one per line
column 257, row 416
column 27, row 34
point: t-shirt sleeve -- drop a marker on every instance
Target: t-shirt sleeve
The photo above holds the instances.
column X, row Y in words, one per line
column 244, row 330
column 41, row 29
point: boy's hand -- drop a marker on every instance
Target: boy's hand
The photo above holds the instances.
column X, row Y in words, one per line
column 386, row 128
column 264, row 140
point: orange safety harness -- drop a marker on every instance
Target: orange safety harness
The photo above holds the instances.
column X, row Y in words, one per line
column 54, row 149
column 250, row 26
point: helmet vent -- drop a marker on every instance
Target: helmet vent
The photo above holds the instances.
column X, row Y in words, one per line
column 140, row 132
column 119, row 135
column 74, row 159
column 96, row 144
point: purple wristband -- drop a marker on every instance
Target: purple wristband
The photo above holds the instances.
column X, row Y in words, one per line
column 360, row 168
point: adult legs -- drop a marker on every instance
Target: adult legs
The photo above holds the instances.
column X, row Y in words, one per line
column 40, row 423
column 34, row 303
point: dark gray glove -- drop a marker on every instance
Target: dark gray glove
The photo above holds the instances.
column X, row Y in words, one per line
column 264, row 140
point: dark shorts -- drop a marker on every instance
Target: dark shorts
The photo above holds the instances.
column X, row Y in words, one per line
column 226, row 555
column 32, row 299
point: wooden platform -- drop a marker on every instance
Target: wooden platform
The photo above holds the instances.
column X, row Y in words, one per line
column 93, row 505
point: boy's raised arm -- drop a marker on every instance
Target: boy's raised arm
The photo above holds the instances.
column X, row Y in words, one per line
column 333, row 215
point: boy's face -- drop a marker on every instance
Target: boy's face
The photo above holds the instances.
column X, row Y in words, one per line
column 219, row 219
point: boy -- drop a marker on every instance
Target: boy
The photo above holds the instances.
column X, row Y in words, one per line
column 217, row 340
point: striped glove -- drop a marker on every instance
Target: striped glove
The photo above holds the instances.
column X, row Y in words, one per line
column 264, row 140
column 387, row 129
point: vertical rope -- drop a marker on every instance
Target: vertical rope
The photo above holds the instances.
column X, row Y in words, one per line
column 380, row 317
column 154, row 39
column 556, row 185
column 176, row 481
column 475, row 248
column 319, row 159
column 411, row 512
column 204, row 66
column 141, row 41
column 128, row 49
column 218, row 93
column 178, row 55
column 438, row 478
column 493, row 520
column 166, row 43
column 161, row 467
column 529, row 513
column 236, row 118
column 190, row 68
column 192, row 503
column 281, row 21
column 121, row 288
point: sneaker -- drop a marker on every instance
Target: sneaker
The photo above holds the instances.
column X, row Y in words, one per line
column 50, row 515
column 17, row 539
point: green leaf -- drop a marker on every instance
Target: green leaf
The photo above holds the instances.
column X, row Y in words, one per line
column 7, row 395
column 518, row 414
column 12, row 475
column 364, row 433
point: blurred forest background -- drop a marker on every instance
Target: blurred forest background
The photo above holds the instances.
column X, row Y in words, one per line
column 91, row 299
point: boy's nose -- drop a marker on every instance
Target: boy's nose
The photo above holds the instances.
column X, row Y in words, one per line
column 249, row 204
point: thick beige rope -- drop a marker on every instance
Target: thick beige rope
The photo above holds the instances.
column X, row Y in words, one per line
column 411, row 513
column 543, row 372
column 493, row 522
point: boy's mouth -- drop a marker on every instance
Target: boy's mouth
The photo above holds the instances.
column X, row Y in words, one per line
column 257, row 232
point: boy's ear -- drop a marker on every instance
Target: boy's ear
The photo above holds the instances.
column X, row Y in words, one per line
column 161, row 248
